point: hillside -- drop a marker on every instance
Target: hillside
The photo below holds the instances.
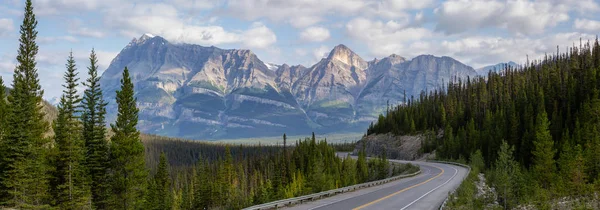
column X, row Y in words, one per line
column 533, row 130
column 198, row 92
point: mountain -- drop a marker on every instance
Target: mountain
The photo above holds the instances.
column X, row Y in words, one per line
column 483, row 71
column 198, row 92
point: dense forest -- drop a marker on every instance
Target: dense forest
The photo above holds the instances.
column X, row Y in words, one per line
column 233, row 177
column 73, row 162
column 541, row 121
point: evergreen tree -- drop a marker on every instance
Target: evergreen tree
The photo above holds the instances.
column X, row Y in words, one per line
column 505, row 173
column 25, row 176
column 362, row 170
column 71, row 174
column 163, row 181
column 543, row 153
column 3, row 125
column 159, row 195
column 94, row 131
column 128, row 173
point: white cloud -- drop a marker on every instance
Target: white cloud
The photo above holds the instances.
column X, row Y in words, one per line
column 304, row 21
column 7, row 64
column 258, row 36
column 87, row 32
column 587, row 25
column 321, row 52
column 50, row 40
column 304, row 13
column 162, row 19
column 385, row 38
column 519, row 17
column 315, row 34
column 6, row 26
column 479, row 51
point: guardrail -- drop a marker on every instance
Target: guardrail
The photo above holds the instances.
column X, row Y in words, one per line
column 451, row 163
column 316, row 196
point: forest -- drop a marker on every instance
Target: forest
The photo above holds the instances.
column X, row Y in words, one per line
column 537, row 127
column 76, row 162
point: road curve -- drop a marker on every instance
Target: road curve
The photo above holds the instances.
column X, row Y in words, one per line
column 425, row 191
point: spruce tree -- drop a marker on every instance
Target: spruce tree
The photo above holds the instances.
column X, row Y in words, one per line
column 159, row 195
column 73, row 191
column 128, row 173
column 25, row 176
column 543, row 153
column 162, row 180
column 3, row 124
column 362, row 170
column 94, row 135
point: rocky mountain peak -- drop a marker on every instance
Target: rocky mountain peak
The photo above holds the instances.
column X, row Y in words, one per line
column 198, row 92
column 345, row 55
column 145, row 38
column 396, row 59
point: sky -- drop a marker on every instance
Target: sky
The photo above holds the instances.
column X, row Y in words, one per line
column 475, row 32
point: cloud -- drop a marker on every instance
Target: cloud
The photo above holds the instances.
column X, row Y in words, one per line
column 304, row 21
column 7, row 64
column 315, row 34
column 304, row 13
column 385, row 38
column 321, row 52
column 163, row 19
column 50, row 40
column 258, row 36
column 587, row 25
column 479, row 51
column 87, row 32
column 518, row 17
column 6, row 26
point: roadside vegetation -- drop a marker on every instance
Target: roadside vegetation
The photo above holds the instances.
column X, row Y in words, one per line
column 537, row 127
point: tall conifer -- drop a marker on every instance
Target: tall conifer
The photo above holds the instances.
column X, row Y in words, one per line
column 543, row 154
column 128, row 173
column 94, row 134
column 3, row 124
column 71, row 174
column 25, row 178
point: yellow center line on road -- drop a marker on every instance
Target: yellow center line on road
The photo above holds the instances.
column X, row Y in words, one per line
column 405, row 189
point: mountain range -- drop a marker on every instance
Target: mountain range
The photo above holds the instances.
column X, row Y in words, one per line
column 197, row 92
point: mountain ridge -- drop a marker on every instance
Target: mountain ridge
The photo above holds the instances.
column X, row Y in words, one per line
column 198, row 92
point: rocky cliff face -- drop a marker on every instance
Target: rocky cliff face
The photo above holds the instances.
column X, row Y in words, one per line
column 200, row 92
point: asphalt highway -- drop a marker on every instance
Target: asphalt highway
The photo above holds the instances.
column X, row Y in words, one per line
column 427, row 190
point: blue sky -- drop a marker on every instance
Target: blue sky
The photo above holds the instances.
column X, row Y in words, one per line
column 477, row 33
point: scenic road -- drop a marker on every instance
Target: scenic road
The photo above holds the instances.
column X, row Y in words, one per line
column 427, row 190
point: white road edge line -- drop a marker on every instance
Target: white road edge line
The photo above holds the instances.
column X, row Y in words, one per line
column 326, row 204
column 455, row 172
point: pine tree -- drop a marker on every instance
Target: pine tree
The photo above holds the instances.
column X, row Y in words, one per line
column 128, row 173
column 362, row 171
column 71, row 174
column 163, row 182
column 25, row 178
column 94, row 131
column 506, row 171
column 159, row 195
column 543, row 153
column 3, row 124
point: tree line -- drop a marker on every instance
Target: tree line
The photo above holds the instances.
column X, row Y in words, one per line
column 73, row 162
column 537, row 126
column 234, row 177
